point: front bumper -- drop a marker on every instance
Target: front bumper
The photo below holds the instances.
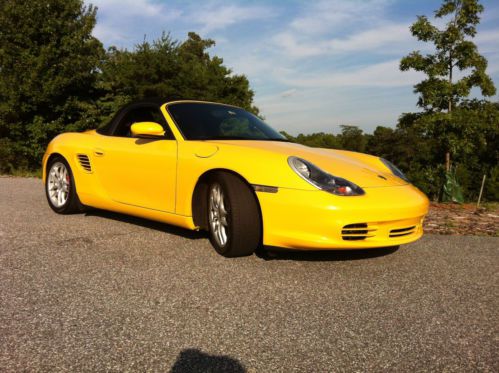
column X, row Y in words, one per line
column 299, row 219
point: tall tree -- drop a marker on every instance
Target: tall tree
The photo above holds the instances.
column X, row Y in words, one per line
column 454, row 51
column 171, row 70
column 48, row 66
column 352, row 138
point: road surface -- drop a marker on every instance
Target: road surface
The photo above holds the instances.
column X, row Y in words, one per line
column 106, row 292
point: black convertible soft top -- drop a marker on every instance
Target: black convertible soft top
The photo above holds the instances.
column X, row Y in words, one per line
column 109, row 127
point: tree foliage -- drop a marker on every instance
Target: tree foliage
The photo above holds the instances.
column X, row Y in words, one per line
column 450, row 123
column 454, row 51
column 171, row 70
column 417, row 145
column 48, row 65
column 56, row 77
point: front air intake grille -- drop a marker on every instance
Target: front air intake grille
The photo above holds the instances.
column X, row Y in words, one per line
column 402, row 231
column 357, row 232
column 84, row 162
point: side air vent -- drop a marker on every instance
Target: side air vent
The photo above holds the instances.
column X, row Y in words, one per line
column 402, row 231
column 357, row 232
column 84, row 162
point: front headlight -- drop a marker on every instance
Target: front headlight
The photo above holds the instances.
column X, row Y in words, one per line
column 323, row 180
column 395, row 170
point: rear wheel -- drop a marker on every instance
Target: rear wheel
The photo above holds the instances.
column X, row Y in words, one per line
column 60, row 187
column 233, row 216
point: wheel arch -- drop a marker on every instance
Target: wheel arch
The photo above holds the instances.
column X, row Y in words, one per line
column 52, row 156
column 73, row 204
column 200, row 204
column 67, row 157
column 47, row 162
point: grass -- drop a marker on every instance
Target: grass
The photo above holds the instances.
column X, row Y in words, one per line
column 490, row 206
column 25, row 173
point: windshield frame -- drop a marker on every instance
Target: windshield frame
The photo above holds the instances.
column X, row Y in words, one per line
column 282, row 138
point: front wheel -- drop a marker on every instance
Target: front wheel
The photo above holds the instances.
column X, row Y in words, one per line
column 233, row 216
column 60, row 187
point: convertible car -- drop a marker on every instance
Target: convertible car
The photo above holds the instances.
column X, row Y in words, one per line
column 215, row 167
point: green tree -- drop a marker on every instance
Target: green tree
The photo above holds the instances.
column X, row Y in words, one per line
column 352, row 138
column 204, row 77
column 48, row 64
column 150, row 70
column 170, row 70
column 454, row 51
column 319, row 140
column 56, row 77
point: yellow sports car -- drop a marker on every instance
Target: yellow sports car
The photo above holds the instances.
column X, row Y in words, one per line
column 202, row 165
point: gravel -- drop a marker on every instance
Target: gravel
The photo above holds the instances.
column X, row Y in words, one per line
column 106, row 292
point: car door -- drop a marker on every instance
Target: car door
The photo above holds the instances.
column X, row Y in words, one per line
column 138, row 171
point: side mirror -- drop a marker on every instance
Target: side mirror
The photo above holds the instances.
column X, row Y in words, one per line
column 147, row 129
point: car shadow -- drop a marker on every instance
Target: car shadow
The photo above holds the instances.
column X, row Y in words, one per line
column 162, row 227
column 267, row 253
column 194, row 360
column 273, row 253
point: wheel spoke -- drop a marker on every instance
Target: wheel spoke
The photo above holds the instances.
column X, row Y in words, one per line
column 218, row 214
column 223, row 235
column 223, row 220
column 220, row 234
column 216, row 197
column 222, row 207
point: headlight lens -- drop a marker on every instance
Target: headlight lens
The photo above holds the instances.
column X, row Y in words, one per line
column 395, row 170
column 323, row 180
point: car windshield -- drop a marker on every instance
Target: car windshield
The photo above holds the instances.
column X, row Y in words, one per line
column 205, row 121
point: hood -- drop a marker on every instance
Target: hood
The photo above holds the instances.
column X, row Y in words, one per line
column 364, row 170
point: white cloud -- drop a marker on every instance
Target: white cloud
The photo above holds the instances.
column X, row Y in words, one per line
column 291, row 47
column 107, row 33
column 324, row 109
column 134, row 10
column 126, row 8
column 487, row 41
column 289, row 92
column 383, row 39
column 312, row 64
column 121, row 21
column 326, row 15
column 316, row 31
column 216, row 16
column 384, row 74
column 386, row 36
column 124, row 22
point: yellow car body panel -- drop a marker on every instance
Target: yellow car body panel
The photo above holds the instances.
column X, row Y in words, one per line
column 156, row 179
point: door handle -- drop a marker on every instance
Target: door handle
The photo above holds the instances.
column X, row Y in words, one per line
column 98, row 152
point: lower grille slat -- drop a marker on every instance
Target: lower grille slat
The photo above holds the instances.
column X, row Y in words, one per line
column 400, row 232
column 357, row 232
column 363, row 231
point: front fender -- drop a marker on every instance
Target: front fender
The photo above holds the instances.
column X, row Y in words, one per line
column 255, row 166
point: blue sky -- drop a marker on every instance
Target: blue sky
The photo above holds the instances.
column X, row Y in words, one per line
column 313, row 65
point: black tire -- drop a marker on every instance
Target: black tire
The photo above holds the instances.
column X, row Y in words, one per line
column 72, row 204
column 244, row 227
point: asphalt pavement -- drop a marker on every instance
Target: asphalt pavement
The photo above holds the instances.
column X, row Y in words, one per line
column 106, row 292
